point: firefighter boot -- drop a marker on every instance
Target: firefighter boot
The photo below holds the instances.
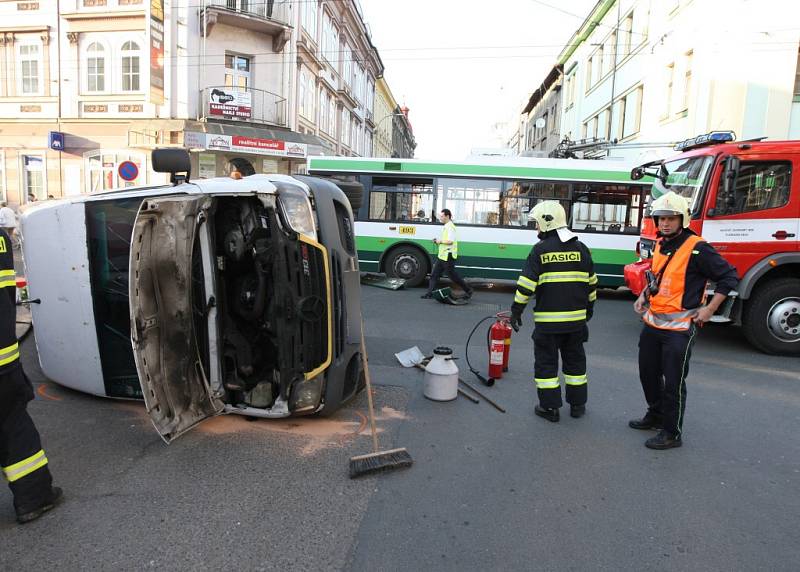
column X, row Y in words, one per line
column 663, row 440
column 549, row 414
column 646, row 423
column 577, row 411
column 31, row 515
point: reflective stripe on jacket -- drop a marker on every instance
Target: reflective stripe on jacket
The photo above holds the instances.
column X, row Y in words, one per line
column 9, row 348
column 449, row 233
column 665, row 310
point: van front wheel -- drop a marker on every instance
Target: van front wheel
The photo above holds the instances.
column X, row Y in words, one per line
column 408, row 263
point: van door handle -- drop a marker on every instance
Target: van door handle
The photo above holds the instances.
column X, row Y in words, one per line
column 783, row 235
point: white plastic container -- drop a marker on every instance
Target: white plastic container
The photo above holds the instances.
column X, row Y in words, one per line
column 441, row 376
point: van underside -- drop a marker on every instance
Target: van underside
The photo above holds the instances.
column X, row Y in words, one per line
column 230, row 310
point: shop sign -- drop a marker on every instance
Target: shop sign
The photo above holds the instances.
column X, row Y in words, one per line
column 218, row 142
column 194, row 140
column 156, row 42
column 207, row 165
column 274, row 147
column 230, row 103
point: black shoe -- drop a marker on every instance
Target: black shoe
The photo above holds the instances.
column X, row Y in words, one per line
column 663, row 440
column 31, row 515
column 468, row 295
column 646, row 423
column 577, row 411
column 549, row 414
column 427, row 295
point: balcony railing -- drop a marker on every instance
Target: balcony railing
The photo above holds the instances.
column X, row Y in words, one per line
column 242, row 104
column 278, row 10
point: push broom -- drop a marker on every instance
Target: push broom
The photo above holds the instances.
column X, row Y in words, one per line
column 377, row 460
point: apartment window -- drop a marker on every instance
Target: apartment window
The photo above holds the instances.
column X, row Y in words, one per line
column 306, row 95
column 345, row 133
column 370, row 96
column 330, row 39
column 589, row 67
column 354, row 137
column 309, row 17
column 631, row 112
column 570, row 89
column 687, row 79
column 332, row 117
column 131, row 56
column 598, row 62
column 30, row 62
column 593, row 126
column 33, row 177
column 237, row 71
column 367, row 144
column 797, row 77
column 324, row 101
column 627, row 35
column 610, row 53
column 347, row 65
column 96, row 67
column 670, row 80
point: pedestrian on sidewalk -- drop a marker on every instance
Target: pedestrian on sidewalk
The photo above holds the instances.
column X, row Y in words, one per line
column 22, row 458
column 446, row 257
column 672, row 307
column 8, row 219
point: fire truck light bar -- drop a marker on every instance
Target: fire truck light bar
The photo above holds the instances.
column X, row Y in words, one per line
column 712, row 138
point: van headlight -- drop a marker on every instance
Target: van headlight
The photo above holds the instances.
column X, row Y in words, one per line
column 296, row 210
column 306, row 395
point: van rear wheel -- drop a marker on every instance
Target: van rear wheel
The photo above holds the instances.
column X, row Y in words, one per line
column 408, row 263
column 771, row 318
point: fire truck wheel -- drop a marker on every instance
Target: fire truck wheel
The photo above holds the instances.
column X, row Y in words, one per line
column 771, row 318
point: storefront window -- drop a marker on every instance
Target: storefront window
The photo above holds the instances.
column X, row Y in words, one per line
column 102, row 170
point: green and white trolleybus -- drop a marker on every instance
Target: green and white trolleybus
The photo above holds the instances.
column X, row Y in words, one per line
column 396, row 202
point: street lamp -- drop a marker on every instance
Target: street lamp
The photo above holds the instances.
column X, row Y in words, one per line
column 378, row 124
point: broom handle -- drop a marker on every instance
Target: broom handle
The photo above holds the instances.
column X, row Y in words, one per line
column 369, row 391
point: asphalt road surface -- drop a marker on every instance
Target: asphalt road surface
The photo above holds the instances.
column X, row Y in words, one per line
column 487, row 490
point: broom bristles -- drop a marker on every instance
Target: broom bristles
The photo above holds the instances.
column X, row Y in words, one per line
column 381, row 461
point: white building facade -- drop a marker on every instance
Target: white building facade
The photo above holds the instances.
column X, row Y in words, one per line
column 641, row 74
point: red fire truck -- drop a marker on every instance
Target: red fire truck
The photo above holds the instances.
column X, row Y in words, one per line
column 745, row 200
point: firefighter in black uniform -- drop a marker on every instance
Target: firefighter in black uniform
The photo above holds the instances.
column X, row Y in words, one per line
column 22, row 459
column 672, row 307
column 560, row 273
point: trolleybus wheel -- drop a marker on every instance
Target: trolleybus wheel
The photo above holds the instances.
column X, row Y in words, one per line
column 408, row 263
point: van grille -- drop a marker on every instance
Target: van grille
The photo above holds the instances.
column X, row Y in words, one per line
column 337, row 286
column 308, row 281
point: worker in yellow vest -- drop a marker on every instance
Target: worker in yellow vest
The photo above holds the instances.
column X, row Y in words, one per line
column 446, row 258
column 22, row 458
column 672, row 307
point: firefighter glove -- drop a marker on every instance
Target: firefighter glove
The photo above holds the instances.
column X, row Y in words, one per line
column 516, row 315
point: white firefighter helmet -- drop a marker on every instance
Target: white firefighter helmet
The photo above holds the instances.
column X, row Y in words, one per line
column 670, row 204
column 550, row 215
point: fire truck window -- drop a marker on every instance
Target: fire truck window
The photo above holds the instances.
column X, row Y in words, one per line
column 760, row 185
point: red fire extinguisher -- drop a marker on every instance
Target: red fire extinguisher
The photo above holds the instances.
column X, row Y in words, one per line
column 498, row 356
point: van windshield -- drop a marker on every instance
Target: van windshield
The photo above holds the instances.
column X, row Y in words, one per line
column 686, row 177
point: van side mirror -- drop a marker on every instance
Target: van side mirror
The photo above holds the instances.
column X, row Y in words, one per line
column 729, row 180
column 172, row 161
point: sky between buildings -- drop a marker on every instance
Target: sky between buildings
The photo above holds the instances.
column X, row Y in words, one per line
column 463, row 66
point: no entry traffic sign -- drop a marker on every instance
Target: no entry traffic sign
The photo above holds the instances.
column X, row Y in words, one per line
column 128, row 171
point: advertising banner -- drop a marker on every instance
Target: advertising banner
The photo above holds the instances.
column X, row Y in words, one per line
column 242, row 144
column 156, row 42
column 229, row 102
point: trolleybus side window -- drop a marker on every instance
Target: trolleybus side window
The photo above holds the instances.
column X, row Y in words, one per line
column 759, row 186
column 401, row 200
column 606, row 207
column 520, row 197
column 472, row 201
